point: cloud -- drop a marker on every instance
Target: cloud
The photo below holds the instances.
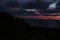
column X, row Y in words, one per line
column 25, row 1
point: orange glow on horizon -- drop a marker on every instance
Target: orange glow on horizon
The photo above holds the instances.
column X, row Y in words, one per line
column 40, row 17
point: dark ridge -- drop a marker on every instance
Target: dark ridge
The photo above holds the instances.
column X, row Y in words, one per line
column 14, row 28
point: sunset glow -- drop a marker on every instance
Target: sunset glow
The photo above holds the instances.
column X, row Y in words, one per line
column 40, row 17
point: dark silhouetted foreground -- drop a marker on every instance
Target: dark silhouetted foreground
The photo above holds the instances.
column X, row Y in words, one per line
column 15, row 29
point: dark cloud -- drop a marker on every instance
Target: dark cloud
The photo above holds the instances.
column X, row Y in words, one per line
column 25, row 1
